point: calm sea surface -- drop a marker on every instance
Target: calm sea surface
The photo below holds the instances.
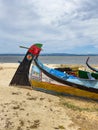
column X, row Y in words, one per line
column 53, row 59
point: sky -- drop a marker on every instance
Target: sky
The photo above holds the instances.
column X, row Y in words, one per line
column 62, row 26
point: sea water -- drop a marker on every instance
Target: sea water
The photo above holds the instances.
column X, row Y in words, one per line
column 69, row 59
column 52, row 59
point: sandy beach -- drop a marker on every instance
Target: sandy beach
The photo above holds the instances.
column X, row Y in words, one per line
column 25, row 109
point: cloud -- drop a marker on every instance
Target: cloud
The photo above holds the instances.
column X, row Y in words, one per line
column 67, row 25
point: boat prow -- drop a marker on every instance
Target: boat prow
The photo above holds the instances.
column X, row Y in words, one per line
column 92, row 68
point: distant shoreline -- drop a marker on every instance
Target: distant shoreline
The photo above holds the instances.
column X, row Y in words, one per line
column 52, row 54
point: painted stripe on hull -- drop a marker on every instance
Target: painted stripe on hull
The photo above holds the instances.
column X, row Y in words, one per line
column 64, row 89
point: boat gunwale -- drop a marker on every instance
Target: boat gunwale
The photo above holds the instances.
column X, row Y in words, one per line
column 60, row 80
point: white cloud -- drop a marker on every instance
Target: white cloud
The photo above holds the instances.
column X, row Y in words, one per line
column 66, row 24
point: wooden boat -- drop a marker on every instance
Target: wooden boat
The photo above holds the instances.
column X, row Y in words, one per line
column 47, row 78
column 62, row 82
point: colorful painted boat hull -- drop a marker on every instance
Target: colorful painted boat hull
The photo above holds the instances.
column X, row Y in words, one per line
column 63, row 89
column 41, row 81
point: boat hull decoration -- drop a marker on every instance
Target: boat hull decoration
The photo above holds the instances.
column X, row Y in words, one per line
column 21, row 76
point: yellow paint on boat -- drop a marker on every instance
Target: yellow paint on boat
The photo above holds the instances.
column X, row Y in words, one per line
column 64, row 89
